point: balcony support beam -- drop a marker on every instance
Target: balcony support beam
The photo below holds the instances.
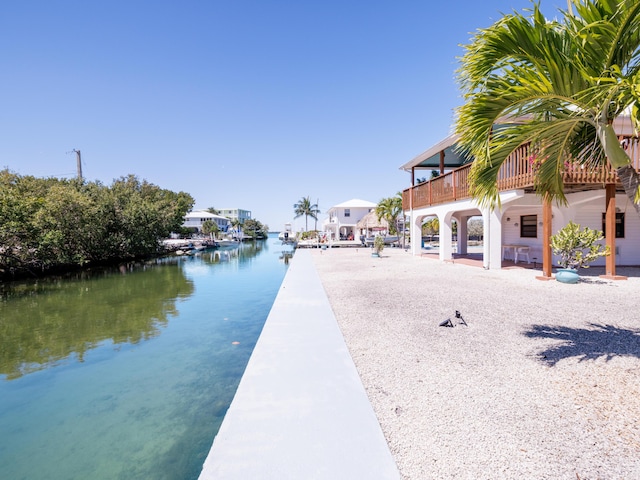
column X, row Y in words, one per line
column 547, row 216
column 610, row 233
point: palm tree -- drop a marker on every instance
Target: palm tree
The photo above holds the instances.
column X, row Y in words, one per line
column 210, row 227
column 390, row 209
column 306, row 208
column 568, row 78
column 236, row 226
column 432, row 226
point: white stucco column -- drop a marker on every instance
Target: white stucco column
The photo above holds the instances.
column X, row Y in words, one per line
column 416, row 234
column 446, row 245
column 463, row 233
column 492, row 232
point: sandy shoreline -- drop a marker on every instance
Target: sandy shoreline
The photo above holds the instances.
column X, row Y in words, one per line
column 544, row 382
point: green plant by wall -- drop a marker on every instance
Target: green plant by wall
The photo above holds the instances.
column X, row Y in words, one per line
column 378, row 244
column 578, row 247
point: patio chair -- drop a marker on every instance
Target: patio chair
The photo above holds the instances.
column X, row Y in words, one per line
column 522, row 252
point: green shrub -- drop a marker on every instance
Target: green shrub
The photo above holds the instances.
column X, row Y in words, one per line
column 577, row 247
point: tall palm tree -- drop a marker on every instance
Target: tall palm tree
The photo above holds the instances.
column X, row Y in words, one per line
column 306, row 208
column 390, row 209
column 432, row 226
column 569, row 78
column 209, row 227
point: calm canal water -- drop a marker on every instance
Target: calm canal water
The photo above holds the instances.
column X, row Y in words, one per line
column 128, row 374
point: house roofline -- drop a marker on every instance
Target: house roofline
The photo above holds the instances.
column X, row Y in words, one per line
column 432, row 151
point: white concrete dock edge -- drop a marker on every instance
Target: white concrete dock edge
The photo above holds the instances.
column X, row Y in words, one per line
column 300, row 411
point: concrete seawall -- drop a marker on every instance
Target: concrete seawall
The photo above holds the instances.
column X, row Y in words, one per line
column 300, row 411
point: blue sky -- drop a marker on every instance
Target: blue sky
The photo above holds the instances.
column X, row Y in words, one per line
column 242, row 103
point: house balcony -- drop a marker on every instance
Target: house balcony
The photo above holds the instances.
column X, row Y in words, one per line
column 517, row 172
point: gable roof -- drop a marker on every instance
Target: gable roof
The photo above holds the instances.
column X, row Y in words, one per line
column 356, row 203
column 203, row 214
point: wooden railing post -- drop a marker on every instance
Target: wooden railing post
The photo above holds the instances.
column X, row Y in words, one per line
column 454, row 180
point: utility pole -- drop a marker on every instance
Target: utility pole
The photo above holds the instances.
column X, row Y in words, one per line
column 79, row 163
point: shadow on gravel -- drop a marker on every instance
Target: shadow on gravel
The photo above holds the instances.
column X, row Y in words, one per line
column 586, row 343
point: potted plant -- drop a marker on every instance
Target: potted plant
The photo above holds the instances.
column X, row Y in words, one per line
column 378, row 245
column 577, row 248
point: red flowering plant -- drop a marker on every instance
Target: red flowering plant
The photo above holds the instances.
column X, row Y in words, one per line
column 535, row 161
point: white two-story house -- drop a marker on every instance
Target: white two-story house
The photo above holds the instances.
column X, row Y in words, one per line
column 194, row 220
column 523, row 222
column 342, row 220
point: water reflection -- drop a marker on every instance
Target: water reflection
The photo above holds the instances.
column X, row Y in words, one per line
column 239, row 252
column 285, row 256
column 46, row 321
column 144, row 411
column 223, row 255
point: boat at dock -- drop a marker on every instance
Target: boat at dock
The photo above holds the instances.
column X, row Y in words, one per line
column 388, row 240
column 286, row 235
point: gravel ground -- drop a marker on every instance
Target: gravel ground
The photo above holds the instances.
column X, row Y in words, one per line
column 542, row 383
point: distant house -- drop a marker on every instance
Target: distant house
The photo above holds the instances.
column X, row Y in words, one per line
column 343, row 218
column 194, row 220
column 236, row 214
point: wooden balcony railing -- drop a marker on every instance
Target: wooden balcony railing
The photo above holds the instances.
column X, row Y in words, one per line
column 518, row 171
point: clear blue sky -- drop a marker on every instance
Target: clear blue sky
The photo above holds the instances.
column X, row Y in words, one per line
column 248, row 104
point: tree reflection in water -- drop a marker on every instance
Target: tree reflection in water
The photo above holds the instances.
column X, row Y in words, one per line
column 45, row 321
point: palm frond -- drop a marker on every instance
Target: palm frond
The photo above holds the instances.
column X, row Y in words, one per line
column 565, row 80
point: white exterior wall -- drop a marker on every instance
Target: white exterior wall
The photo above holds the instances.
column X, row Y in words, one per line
column 503, row 226
column 511, row 230
column 197, row 218
column 628, row 248
column 355, row 216
column 585, row 209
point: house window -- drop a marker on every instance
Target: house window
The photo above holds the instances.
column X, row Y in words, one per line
column 529, row 226
column 347, row 212
column 619, row 224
